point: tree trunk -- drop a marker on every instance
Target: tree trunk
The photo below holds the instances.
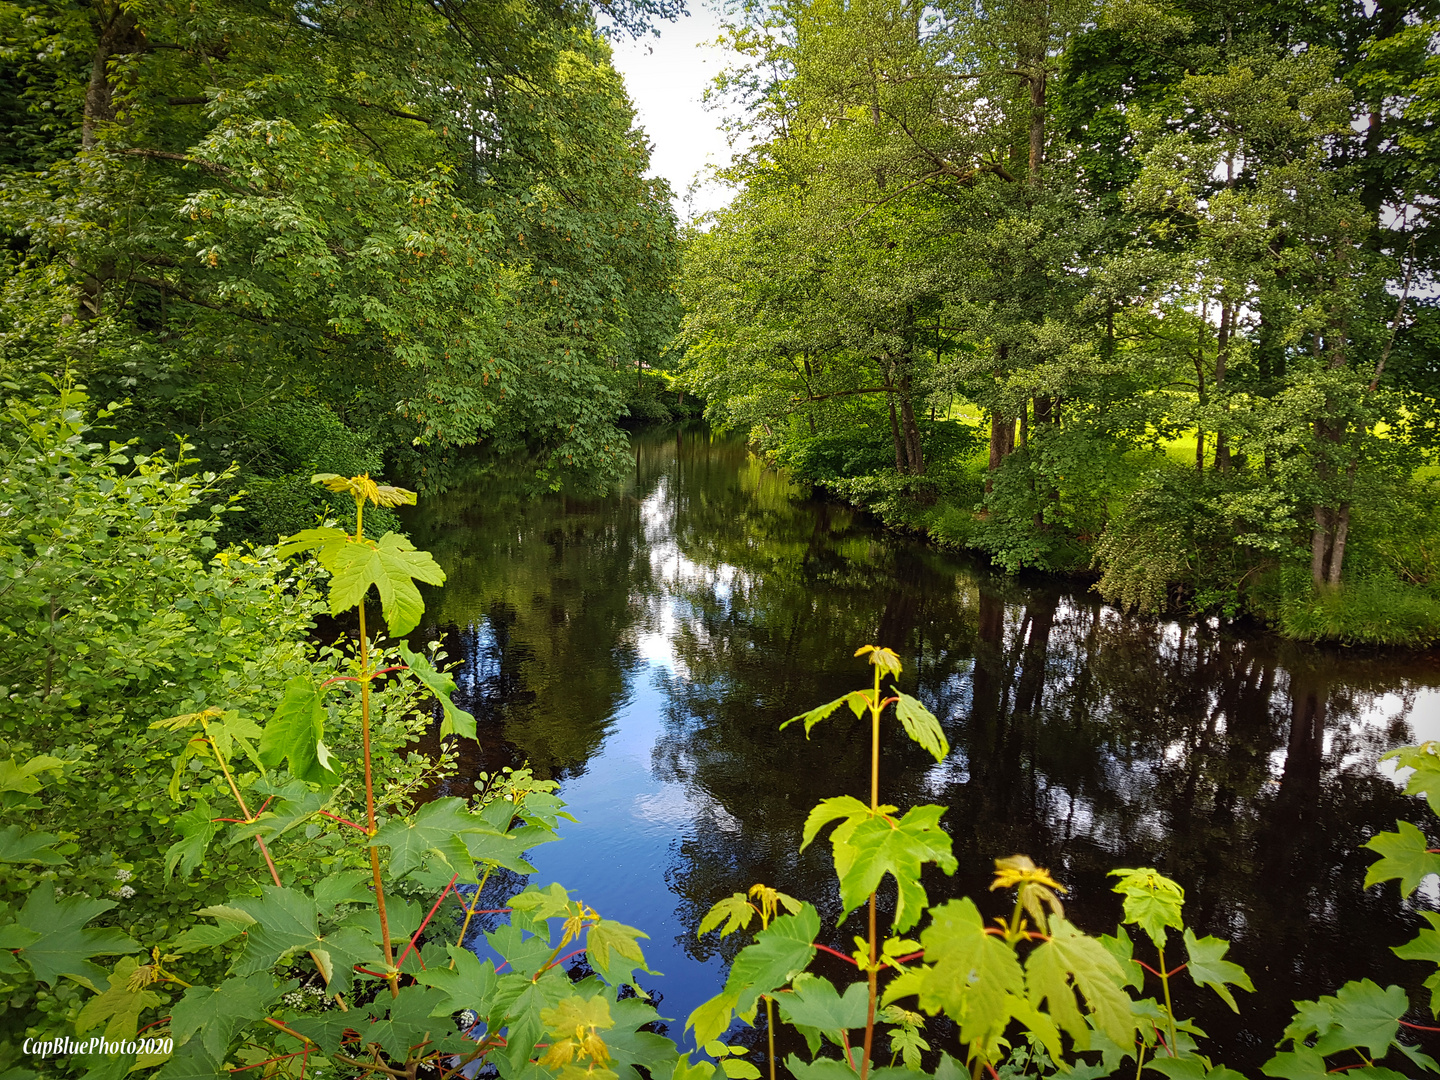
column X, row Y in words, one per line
column 895, row 431
column 1037, row 119
column 913, row 456
column 1222, row 355
column 1002, row 444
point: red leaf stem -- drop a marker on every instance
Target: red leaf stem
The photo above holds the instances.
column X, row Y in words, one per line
column 1418, row 1027
column 271, row 1061
column 909, row 956
column 416, row 937
column 845, row 1038
column 1171, row 974
column 338, row 678
column 836, row 952
column 555, row 963
column 489, row 911
column 1147, row 967
column 344, row 821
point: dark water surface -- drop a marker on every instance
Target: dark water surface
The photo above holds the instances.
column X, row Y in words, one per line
column 643, row 649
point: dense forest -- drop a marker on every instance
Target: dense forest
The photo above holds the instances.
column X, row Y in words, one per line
column 1141, row 289
column 332, row 237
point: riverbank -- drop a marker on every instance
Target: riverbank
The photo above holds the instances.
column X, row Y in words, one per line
column 1169, row 558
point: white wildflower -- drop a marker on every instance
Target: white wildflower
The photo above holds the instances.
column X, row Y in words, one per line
column 123, row 875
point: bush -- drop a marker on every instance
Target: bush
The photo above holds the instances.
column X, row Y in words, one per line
column 1368, row 609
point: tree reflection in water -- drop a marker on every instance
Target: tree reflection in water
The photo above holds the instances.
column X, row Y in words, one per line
column 710, row 599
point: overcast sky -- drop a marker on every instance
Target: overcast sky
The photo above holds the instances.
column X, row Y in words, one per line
column 666, row 77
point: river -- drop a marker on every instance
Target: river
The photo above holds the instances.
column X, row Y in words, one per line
column 643, row 649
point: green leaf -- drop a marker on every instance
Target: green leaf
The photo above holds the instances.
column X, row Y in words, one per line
column 24, row 777
column 119, row 1007
column 1208, row 967
column 19, row 845
column 815, row 1003
column 323, row 541
column 878, row 846
column 780, row 952
column 711, row 1018
column 1123, row 950
column 631, row 1047
column 1182, row 1068
column 295, row 731
column 392, row 566
column 922, row 726
column 846, row 807
column 1425, row 946
column 1358, row 1015
column 403, row 1022
column 65, row 945
column 456, row 720
column 286, row 922
column 606, row 937
column 468, row 985
column 1152, row 901
column 1070, row 964
column 739, row 1070
column 855, row 699
column 1301, row 1064
column 217, row 1013
column 969, row 974
column 197, row 830
column 735, row 911
column 1425, row 780
column 203, row 938
column 1404, row 855
column 442, row 828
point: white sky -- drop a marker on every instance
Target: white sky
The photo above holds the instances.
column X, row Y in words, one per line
column 666, row 77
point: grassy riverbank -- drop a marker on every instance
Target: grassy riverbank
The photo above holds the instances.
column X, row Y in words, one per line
column 1185, row 562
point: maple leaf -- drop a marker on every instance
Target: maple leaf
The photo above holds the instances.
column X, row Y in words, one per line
column 856, row 699
column 18, row 845
column 878, row 846
column 119, row 1007
column 441, row 828
column 1208, row 967
column 216, row 1013
column 295, row 733
column 1359, row 1014
column 815, row 1007
column 391, row 565
column 467, row 985
column 1070, row 964
column 456, row 721
column 735, row 911
column 1426, row 946
column 196, row 829
column 60, row 944
column 1152, row 901
column 922, row 726
column 1405, row 855
column 607, row 936
column 969, row 974
column 1425, row 780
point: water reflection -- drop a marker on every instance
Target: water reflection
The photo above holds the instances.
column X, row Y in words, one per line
column 643, row 649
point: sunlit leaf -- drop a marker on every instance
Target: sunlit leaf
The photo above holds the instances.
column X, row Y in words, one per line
column 1152, row 901
column 1405, row 856
column 922, row 726
column 294, row 732
column 1208, row 967
column 456, row 720
column 391, row 566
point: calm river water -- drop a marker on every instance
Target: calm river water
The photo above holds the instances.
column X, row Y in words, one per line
column 643, row 649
